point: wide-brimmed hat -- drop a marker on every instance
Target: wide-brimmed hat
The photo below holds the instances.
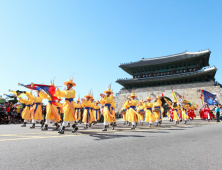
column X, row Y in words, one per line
column 78, row 100
column 108, row 91
column 133, row 95
column 88, row 95
column 69, row 82
column 148, row 98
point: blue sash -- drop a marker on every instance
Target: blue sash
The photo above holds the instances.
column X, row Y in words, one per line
column 133, row 107
column 88, row 114
column 51, row 102
column 69, row 99
column 36, row 106
column 158, row 107
column 77, row 112
column 108, row 105
column 58, row 109
column 96, row 112
column 29, row 106
column 178, row 114
column 186, row 111
column 151, row 110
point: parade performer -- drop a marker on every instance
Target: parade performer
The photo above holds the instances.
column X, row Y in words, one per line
column 96, row 111
column 60, row 110
column 206, row 113
column 132, row 111
column 78, row 111
column 51, row 109
column 176, row 112
column 86, row 104
column 113, row 107
column 68, row 105
column 157, row 111
column 149, row 111
column 127, row 111
column 123, row 111
column 92, row 111
column 185, row 115
column 171, row 114
column 107, row 112
column 140, row 110
column 26, row 115
column 37, row 110
column 201, row 114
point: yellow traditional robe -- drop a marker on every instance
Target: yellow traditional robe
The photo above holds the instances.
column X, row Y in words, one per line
column 176, row 113
column 157, row 110
column 113, row 106
column 51, row 109
column 132, row 114
column 77, row 111
column 87, row 112
column 96, row 112
column 124, row 110
column 37, row 114
column 68, row 104
column 92, row 111
column 28, row 102
column 140, row 110
column 107, row 111
column 149, row 112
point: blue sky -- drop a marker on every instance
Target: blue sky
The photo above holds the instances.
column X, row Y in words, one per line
column 40, row 40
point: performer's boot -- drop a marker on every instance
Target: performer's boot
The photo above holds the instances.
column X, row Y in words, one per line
column 33, row 126
column 124, row 123
column 24, row 124
column 150, row 124
column 185, row 122
column 57, row 126
column 105, row 128
column 90, row 124
column 45, row 128
column 129, row 124
column 141, row 123
column 74, row 128
column 68, row 125
column 86, row 127
column 133, row 127
column 62, row 130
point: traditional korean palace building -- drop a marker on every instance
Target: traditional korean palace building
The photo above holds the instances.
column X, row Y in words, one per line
column 186, row 73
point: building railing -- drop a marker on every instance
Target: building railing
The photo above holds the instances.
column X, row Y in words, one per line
column 163, row 74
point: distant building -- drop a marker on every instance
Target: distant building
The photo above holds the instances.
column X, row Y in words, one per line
column 186, row 73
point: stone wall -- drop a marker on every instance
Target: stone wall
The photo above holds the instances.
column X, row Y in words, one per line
column 189, row 91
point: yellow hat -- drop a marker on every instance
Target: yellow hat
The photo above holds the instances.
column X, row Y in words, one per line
column 133, row 95
column 148, row 98
column 97, row 101
column 108, row 91
column 78, row 100
column 157, row 97
column 88, row 95
column 91, row 97
column 69, row 82
column 141, row 101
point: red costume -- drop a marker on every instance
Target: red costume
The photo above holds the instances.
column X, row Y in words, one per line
column 191, row 114
column 207, row 114
column 171, row 113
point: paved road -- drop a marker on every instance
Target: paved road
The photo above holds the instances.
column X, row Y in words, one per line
column 196, row 145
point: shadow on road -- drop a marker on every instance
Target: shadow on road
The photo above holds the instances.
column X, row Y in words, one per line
column 109, row 136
